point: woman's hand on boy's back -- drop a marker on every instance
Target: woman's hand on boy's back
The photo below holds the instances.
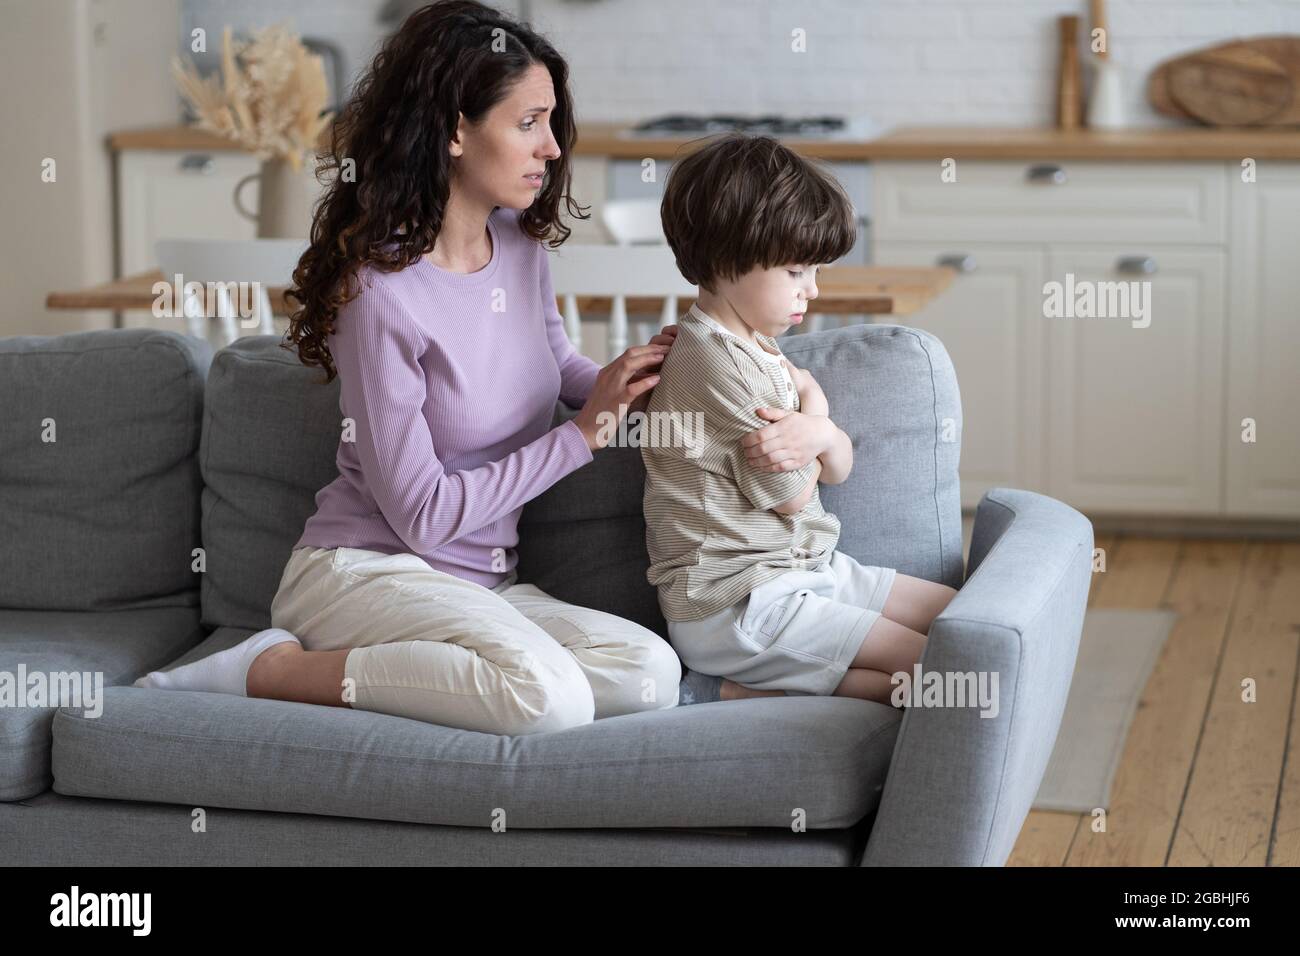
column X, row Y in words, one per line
column 621, row 387
column 667, row 335
column 664, row 340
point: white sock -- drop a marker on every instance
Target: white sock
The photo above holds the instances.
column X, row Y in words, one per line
column 225, row 672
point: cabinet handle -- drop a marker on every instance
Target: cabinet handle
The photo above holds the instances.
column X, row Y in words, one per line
column 961, row 261
column 198, row 163
column 1136, row 265
column 1048, row 174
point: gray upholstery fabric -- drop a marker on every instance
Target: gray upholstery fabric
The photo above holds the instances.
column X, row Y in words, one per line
column 960, row 785
column 890, row 388
column 104, row 517
column 119, row 645
column 270, row 434
column 686, row 766
column 53, row 830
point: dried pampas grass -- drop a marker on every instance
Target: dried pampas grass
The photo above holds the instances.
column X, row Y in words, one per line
column 270, row 98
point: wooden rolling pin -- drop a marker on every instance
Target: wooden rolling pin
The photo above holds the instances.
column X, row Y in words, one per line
column 1068, row 102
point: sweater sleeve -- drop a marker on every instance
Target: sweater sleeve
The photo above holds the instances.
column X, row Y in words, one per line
column 577, row 371
column 377, row 348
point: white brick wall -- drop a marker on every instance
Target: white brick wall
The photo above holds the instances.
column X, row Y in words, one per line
column 897, row 61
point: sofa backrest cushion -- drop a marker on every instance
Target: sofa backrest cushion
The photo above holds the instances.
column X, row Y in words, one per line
column 99, row 475
column 891, row 388
column 270, row 435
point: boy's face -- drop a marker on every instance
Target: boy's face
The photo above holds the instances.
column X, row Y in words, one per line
column 770, row 301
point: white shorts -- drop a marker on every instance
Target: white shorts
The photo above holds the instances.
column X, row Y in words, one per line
column 798, row 632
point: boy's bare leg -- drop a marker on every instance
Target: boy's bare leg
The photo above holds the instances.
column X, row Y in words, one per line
column 865, row 684
column 888, row 648
column 287, row 672
column 916, row 602
column 733, row 691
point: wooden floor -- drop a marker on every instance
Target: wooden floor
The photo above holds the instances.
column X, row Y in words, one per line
column 1206, row 778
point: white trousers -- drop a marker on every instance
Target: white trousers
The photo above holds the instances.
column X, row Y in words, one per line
column 436, row 647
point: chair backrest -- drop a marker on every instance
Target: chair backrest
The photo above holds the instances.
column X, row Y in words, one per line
column 616, row 272
column 633, row 221
column 258, row 264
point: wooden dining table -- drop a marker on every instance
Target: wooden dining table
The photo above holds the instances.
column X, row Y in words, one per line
column 843, row 290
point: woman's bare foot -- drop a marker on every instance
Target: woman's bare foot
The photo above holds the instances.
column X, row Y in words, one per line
column 733, row 691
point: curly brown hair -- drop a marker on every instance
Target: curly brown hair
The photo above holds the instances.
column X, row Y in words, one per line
column 447, row 58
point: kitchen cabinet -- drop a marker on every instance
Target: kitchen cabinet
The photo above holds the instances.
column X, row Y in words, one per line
column 1114, row 413
column 179, row 194
column 990, row 321
column 1263, row 323
column 587, row 185
column 1135, row 409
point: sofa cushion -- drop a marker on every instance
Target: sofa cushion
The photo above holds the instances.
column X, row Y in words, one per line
column 270, row 436
column 54, row 830
column 891, row 388
column 756, row 762
column 41, row 650
column 106, row 515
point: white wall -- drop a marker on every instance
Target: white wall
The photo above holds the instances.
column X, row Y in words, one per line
column 73, row 71
column 899, row 61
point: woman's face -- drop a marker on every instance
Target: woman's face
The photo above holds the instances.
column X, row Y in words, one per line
column 494, row 160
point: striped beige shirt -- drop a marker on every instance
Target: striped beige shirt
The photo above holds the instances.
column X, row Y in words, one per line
column 710, row 530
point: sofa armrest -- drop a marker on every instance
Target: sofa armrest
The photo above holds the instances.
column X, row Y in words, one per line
column 960, row 784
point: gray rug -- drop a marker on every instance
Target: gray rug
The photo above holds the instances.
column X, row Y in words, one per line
column 1117, row 652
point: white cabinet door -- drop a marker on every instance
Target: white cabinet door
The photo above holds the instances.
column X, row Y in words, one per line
column 1135, row 414
column 588, row 189
column 1067, row 202
column 990, row 321
column 174, row 194
column 1263, row 475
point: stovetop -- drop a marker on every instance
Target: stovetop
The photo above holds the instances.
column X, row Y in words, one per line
column 796, row 127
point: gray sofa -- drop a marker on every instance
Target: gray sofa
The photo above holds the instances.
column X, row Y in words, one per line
column 154, row 527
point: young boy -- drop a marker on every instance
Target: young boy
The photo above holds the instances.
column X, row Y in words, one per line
column 757, row 599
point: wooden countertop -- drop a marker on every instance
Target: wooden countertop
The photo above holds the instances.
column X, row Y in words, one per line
column 918, row 142
column 1166, row 143
column 843, row 290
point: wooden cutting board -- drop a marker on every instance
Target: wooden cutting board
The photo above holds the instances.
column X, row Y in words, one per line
column 1253, row 82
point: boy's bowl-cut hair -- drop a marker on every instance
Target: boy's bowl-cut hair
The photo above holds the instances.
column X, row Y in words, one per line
column 741, row 202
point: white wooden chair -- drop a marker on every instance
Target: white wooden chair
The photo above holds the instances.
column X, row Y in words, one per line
column 634, row 222
column 617, row 272
column 261, row 263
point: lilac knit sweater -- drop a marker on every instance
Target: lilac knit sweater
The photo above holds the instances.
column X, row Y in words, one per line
column 451, row 380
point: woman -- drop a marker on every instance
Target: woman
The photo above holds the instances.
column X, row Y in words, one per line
column 426, row 281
